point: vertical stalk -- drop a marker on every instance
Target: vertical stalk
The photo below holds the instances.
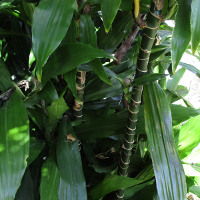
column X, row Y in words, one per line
column 78, row 104
column 150, row 29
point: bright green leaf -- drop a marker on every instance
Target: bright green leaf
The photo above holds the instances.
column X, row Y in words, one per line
column 195, row 24
column 56, row 110
column 189, row 136
column 51, row 20
column 109, row 10
column 49, row 180
column 14, row 145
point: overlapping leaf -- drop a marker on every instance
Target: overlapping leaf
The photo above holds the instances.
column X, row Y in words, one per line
column 68, row 57
column 70, row 166
column 109, row 10
column 51, row 21
column 14, row 145
column 169, row 174
column 49, row 180
column 181, row 34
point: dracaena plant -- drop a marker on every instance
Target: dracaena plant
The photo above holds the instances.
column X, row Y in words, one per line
column 87, row 92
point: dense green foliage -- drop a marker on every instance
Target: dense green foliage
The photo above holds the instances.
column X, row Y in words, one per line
column 75, row 122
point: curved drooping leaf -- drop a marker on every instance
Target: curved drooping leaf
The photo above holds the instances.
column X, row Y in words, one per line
column 109, row 10
column 189, row 136
column 169, row 174
column 69, row 164
column 49, row 180
column 68, row 57
column 51, row 20
column 191, row 68
column 88, row 36
column 181, row 34
column 14, row 145
column 112, row 183
column 195, row 24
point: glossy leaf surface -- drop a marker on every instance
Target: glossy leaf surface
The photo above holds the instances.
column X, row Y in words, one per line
column 109, row 10
column 14, row 145
column 51, row 21
column 181, row 34
column 195, row 24
column 68, row 57
column 158, row 125
column 69, row 164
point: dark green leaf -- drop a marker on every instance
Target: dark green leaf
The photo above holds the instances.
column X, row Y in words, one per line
column 98, row 69
column 169, row 174
column 189, row 136
column 109, row 10
column 5, row 79
column 48, row 93
column 121, row 27
column 69, row 164
column 195, row 24
column 70, row 78
column 149, row 78
column 88, row 36
column 49, row 180
column 26, row 191
column 87, row 31
column 6, row 4
column 181, row 34
column 51, row 21
column 36, row 147
column 112, row 183
column 68, row 57
column 14, row 145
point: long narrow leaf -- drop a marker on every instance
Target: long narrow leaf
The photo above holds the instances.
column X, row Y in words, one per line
column 181, row 34
column 51, row 21
column 69, row 164
column 14, row 145
column 169, row 174
column 195, row 24
column 50, row 180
